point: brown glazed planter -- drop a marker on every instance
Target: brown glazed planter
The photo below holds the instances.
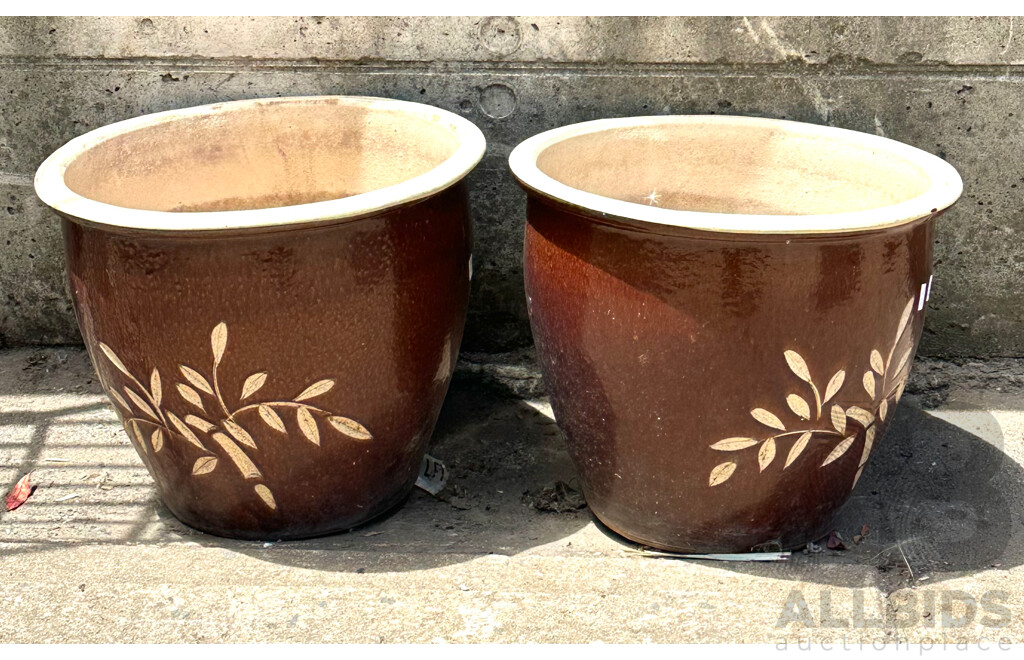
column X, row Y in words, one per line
column 273, row 294
column 725, row 311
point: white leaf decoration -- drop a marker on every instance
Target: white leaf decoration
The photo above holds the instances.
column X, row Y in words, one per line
column 350, row 427
column 196, row 378
column 767, row 418
column 272, row 419
column 834, row 385
column 734, row 444
column 869, row 383
column 219, row 341
column 238, row 433
column 876, row 363
column 839, row 419
column 190, row 395
column 316, row 389
column 797, row 449
column 721, row 473
column 766, row 454
column 265, row 495
column 155, row 387
column 798, row 366
column 839, row 450
column 253, row 383
column 799, row 406
column 307, row 424
column 861, row 416
column 157, row 440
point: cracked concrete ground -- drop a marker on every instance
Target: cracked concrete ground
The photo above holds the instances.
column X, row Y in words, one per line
column 502, row 554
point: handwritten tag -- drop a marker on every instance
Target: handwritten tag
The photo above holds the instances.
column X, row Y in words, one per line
column 433, row 475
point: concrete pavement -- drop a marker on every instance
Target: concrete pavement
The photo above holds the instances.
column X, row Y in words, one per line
column 501, row 555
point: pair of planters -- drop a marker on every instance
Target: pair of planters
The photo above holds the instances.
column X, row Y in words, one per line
column 273, row 295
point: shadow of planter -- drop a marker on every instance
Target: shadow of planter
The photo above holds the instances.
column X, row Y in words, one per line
column 936, row 500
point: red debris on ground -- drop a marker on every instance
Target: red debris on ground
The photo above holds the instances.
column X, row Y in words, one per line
column 20, row 492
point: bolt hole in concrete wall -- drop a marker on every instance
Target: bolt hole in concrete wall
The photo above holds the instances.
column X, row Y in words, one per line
column 947, row 85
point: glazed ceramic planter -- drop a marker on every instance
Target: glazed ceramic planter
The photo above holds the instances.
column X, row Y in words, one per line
column 273, row 294
column 725, row 311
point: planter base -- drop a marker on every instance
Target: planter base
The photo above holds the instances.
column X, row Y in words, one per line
column 791, row 541
column 392, row 505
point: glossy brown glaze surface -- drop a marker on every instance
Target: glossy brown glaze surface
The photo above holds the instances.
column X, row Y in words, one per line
column 720, row 391
column 278, row 384
column 273, row 294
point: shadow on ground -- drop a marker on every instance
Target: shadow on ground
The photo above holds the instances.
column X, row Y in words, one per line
column 936, row 500
column 505, row 459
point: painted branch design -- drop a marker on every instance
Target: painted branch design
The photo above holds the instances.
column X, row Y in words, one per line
column 149, row 423
column 881, row 382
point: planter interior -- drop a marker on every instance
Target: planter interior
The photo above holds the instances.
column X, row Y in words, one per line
column 725, row 311
column 261, row 156
column 273, row 294
column 733, row 170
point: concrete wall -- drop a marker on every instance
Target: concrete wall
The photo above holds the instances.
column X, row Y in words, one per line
column 953, row 87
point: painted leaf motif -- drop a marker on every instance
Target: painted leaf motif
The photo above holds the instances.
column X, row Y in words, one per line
column 876, row 362
column 204, row 465
column 767, row 418
column 766, row 454
column 904, row 360
column 308, row 425
column 354, row 429
column 116, row 361
column 155, row 388
column 799, row 406
column 839, row 419
column 316, row 389
column 253, row 383
column 272, row 419
column 219, row 341
column 196, row 378
column 899, row 390
column 883, row 410
column 834, row 385
column 904, row 319
column 869, row 383
column 184, row 430
column 191, row 396
column 20, row 493
column 721, row 473
column 140, row 402
column 861, row 416
column 730, row 444
column 238, row 433
column 869, row 441
column 237, row 456
column 839, row 450
column 199, row 423
column 797, row 449
column 265, row 495
column 120, row 400
column 799, row 367
column 137, row 433
column 157, row 440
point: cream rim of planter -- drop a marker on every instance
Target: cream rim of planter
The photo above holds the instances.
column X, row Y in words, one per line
column 461, row 138
column 791, row 177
